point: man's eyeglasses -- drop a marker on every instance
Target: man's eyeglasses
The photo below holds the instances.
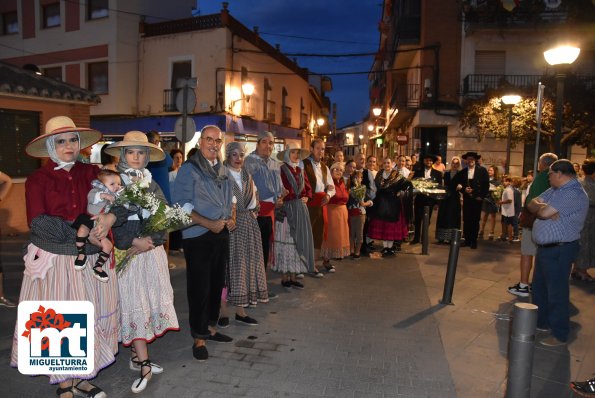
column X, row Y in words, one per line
column 212, row 141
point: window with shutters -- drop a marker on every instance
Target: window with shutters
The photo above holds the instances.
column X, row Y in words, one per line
column 180, row 70
column 97, row 9
column 97, row 77
column 50, row 15
column 18, row 128
column 490, row 62
column 10, row 23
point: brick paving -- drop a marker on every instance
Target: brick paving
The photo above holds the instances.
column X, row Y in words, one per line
column 372, row 329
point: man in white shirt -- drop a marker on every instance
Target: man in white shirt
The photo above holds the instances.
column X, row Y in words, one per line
column 323, row 189
column 368, row 181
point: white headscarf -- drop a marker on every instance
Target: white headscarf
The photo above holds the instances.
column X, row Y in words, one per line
column 50, row 144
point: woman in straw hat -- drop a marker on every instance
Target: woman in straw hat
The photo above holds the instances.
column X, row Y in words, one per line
column 55, row 194
column 293, row 242
column 336, row 241
column 146, row 296
column 246, row 277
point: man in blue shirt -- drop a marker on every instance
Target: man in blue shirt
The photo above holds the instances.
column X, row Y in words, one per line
column 203, row 185
column 561, row 213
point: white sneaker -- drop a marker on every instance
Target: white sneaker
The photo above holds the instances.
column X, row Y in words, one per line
column 300, row 276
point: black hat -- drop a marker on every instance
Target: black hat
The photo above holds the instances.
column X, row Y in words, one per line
column 429, row 156
column 474, row 155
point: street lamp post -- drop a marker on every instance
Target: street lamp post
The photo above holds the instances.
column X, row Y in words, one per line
column 560, row 58
column 509, row 101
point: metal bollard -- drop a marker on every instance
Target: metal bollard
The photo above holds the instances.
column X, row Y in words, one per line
column 520, row 350
column 425, row 239
column 451, row 269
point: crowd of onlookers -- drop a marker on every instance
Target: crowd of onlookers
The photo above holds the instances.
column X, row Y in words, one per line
column 296, row 213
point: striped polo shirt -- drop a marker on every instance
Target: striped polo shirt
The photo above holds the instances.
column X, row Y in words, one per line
column 572, row 203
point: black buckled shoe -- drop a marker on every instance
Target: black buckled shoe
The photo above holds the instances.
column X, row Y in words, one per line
column 200, row 353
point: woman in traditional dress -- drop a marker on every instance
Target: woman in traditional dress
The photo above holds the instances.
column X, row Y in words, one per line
column 55, row 194
column 449, row 211
column 489, row 208
column 293, row 247
column 390, row 217
column 146, row 296
column 246, row 277
column 335, row 243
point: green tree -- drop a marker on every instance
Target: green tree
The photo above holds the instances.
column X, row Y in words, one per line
column 486, row 116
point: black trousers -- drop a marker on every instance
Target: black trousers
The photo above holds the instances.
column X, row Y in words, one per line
column 266, row 229
column 206, row 261
column 471, row 217
column 420, row 202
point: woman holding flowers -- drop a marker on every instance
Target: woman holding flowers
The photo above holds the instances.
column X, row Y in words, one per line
column 390, row 217
column 55, row 194
column 146, row 296
column 246, row 277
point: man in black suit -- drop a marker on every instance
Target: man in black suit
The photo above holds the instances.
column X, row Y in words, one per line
column 425, row 171
column 474, row 182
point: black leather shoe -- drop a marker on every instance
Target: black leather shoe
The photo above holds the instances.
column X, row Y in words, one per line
column 200, row 353
column 473, row 245
column 220, row 338
column 414, row 242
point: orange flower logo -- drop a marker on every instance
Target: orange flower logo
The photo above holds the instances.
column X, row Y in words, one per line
column 43, row 319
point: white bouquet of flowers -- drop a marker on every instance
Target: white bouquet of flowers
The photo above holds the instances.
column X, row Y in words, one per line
column 427, row 186
column 158, row 215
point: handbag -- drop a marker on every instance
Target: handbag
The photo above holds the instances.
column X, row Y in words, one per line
column 526, row 219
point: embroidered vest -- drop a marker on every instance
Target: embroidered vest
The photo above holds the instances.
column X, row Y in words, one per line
column 309, row 169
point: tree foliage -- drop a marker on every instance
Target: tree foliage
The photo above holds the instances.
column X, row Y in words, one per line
column 486, row 116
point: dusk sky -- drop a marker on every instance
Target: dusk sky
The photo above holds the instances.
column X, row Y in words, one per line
column 332, row 27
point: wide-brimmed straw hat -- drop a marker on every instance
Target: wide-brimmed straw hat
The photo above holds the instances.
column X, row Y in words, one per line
column 291, row 146
column 471, row 154
column 60, row 125
column 136, row 138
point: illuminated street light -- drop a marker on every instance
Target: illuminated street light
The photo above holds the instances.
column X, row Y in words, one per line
column 560, row 58
column 320, row 122
column 370, row 127
column 509, row 101
column 376, row 111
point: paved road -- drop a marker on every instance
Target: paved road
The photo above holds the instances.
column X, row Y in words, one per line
column 372, row 329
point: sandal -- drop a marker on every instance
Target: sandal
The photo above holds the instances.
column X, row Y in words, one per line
column 101, row 275
column 94, row 392
column 80, row 265
column 66, row 390
column 140, row 384
column 136, row 365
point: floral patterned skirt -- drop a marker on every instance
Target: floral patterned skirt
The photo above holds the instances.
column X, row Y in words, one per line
column 146, row 298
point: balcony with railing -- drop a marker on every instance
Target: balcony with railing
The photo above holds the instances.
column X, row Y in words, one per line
column 269, row 114
column 303, row 120
column 482, row 14
column 479, row 84
column 406, row 96
column 286, row 116
column 169, row 100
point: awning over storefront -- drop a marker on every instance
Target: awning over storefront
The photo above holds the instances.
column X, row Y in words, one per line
column 118, row 126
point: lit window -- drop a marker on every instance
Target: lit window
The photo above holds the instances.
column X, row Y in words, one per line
column 51, row 15
column 97, row 77
column 10, row 23
column 53, row 73
column 97, row 9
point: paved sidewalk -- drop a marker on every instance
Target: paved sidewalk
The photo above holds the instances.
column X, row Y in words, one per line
column 372, row 329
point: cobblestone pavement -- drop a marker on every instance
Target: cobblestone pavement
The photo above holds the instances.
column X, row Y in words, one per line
column 372, row 329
